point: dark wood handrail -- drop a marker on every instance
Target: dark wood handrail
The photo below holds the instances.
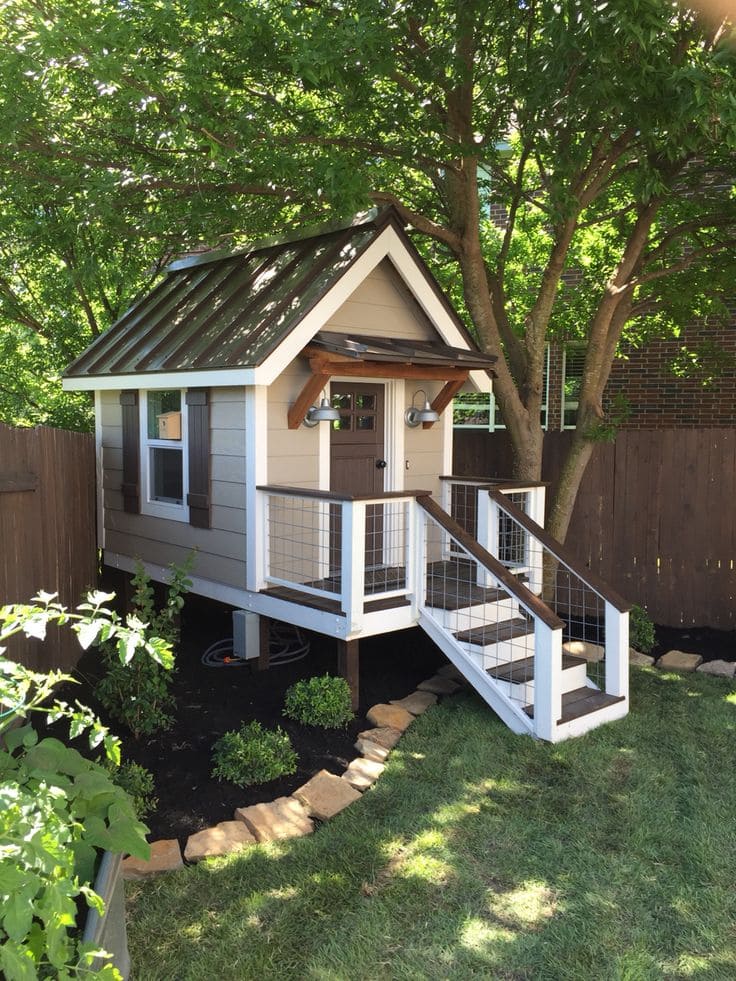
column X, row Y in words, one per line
column 560, row 552
column 531, row 602
column 485, row 482
column 284, row 490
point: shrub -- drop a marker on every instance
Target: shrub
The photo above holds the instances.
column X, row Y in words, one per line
column 137, row 782
column 138, row 693
column 641, row 630
column 253, row 755
column 58, row 810
column 321, row 701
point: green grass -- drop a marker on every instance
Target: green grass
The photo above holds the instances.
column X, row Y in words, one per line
column 480, row 854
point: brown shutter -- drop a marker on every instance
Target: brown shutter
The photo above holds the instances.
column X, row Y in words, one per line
column 131, row 452
column 198, row 497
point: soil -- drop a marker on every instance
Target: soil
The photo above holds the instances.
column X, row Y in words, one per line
column 211, row 701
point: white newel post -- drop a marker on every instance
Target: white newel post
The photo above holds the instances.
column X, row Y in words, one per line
column 487, row 531
column 263, row 510
column 617, row 652
column 535, row 552
column 547, row 680
column 416, row 580
column 352, row 561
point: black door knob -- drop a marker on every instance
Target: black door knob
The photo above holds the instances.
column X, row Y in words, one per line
column 380, row 464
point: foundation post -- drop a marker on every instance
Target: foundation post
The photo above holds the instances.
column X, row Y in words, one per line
column 264, row 636
column 348, row 661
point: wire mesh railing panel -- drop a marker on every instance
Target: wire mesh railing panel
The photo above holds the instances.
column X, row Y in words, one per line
column 387, row 533
column 512, row 538
column 568, row 595
column 302, row 538
column 464, row 506
column 489, row 626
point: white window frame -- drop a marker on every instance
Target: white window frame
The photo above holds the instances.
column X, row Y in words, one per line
column 494, row 417
column 568, row 405
column 163, row 509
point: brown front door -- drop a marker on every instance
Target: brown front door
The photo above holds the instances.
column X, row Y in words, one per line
column 356, row 454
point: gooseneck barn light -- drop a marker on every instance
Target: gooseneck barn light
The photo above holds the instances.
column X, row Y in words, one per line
column 325, row 413
column 414, row 417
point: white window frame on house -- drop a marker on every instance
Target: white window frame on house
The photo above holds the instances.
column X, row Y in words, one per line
column 568, row 405
column 148, row 504
column 483, row 402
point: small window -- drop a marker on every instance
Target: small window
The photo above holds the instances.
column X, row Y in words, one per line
column 572, row 378
column 164, row 454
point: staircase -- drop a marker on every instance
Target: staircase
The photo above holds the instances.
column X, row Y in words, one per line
column 507, row 641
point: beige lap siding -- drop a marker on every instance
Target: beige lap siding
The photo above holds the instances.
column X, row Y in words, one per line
column 220, row 554
column 293, row 454
column 423, row 447
column 381, row 307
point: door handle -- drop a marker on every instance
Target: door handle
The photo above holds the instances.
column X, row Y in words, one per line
column 380, row 464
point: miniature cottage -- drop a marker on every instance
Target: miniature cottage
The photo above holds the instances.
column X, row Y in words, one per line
column 282, row 411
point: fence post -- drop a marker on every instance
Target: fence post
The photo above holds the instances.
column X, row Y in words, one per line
column 352, row 563
column 487, row 532
column 617, row 652
column 547, row 680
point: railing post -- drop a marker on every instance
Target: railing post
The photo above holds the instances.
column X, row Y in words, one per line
column 352, row 563
column 261, row 554
column 617, row 652
column 535, row 556
column 547, row 680
column 416, row 563
column 487, row 532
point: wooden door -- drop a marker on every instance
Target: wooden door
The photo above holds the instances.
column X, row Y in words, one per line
column 357, row 462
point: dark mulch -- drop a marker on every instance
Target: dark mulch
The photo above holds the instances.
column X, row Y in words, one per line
column 711, row 644
column 210, row 701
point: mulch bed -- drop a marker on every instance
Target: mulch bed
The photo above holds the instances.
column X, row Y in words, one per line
column 211, row 701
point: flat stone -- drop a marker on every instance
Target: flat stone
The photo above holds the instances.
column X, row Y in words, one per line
column 390, row 715
column 417, row 702
column 679, row 661
column 165, row 857
column 372, row 751
column 224, row 838
column 385, row 736
column 636, row 657
column 721, row 669
column 583, row 648
column 282, row 818
column 450, row 671
column 439, row 685
column 325, row 795
column 363, row 773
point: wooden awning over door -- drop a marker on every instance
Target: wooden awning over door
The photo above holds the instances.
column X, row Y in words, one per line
column 352, row 356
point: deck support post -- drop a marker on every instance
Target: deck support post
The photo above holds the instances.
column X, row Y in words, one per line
column 348, row 665
column 264, row 642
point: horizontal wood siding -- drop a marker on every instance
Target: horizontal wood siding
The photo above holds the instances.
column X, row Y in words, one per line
column 221, row 548
column 655, row 515
column 293, row 454
column 47, row 531
column 423, row 447
column 382, row 307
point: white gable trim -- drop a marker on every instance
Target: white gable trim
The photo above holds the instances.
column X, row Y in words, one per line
column 225, row 377
column 387, row 244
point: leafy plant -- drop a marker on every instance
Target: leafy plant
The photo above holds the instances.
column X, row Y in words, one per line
column 58, row 809
column 641, row 630
column 138, row 693
column 253, row 754
column 137, row 782
column 320, row 701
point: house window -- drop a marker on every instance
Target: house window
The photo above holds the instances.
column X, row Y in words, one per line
column 164, row 453
column 573, row 364
column 478, row 410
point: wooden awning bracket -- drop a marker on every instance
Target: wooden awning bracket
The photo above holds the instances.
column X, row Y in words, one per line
column 325, row 367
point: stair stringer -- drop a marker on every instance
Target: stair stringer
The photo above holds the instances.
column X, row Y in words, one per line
column 489, row 691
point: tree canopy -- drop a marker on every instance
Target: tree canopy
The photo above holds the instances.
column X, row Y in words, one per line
column 605, row 131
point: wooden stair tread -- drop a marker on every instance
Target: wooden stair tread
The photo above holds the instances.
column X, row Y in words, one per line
column 330, row 605
column 519, row 672
column 580, row 702
column 492, row 633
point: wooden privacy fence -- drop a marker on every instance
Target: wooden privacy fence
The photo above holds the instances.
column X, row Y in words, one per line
column 47, row 529
column 655, row 516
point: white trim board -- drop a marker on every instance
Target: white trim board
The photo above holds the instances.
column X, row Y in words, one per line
column 218, row 377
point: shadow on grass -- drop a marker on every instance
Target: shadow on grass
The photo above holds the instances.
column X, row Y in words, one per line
column 484, row 854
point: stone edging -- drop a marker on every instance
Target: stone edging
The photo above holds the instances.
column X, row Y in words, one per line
column 319, row 799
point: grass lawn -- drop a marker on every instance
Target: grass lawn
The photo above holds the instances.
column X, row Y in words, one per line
column 480, row 854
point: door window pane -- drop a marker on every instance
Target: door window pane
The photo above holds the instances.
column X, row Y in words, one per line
column 164, row 415
column 167, row 481
column 343, row 423
column 365, row 402
column 342, row 401
column 365, row 422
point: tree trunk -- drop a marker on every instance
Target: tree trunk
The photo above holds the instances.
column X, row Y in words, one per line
column 527, row 443
column 571, row 475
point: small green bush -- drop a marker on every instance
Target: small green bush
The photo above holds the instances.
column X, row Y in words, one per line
column 137, row 782
column 253, row 755
column 641, row 630
column 321, row 701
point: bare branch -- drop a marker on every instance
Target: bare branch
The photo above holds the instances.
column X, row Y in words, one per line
column 420, row 222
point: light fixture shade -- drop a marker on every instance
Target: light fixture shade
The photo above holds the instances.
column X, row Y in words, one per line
column 325, row 413
column 413, row 417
